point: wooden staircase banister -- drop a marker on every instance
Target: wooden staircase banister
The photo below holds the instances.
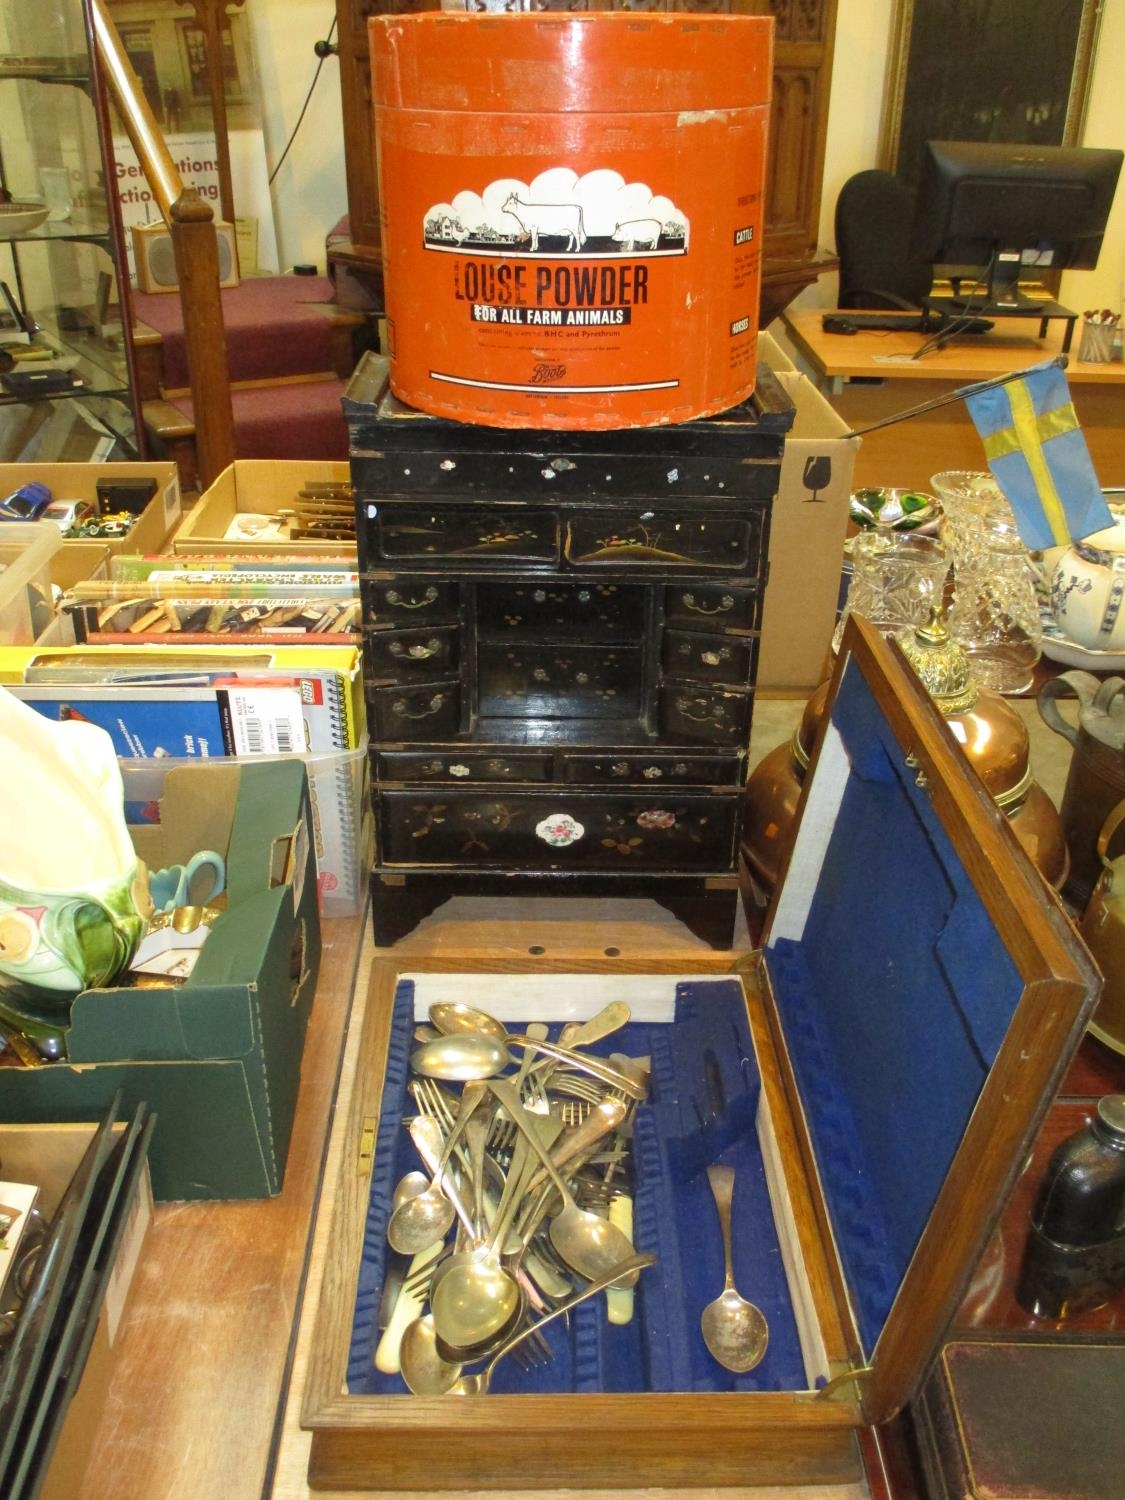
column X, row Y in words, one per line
column 195, row 246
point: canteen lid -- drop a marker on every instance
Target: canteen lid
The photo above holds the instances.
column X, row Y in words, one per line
column 930, row 991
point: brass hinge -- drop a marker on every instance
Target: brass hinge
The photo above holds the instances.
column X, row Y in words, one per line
column 367, row 1145
column 839, row 1383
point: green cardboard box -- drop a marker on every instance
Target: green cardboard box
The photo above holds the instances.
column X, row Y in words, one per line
column 217, row 1058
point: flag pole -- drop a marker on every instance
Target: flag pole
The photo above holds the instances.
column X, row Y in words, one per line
column 960, row 394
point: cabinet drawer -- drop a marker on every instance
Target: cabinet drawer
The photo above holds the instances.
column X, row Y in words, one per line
column 558, row 682
column 457, row 766
column 425, row 712
column 712, row 606
column 411, row 655
column 408, row 601
column 651, row 770
column 699, row 657
column 714, row 716
column 497, row 470
column 667, row 540
column 559, row 828
column 607, row 612
column 456, row 534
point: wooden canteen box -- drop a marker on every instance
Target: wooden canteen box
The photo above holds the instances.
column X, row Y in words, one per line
column 875, row 1074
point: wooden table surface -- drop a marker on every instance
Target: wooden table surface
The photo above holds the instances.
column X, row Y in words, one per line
column 868, row 376
column 202, row 1352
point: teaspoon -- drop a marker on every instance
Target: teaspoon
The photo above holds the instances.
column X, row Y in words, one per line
column 419, row 1221
column 734, row 1330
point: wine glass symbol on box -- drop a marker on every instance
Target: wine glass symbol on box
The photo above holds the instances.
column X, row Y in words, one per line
column 817, row 475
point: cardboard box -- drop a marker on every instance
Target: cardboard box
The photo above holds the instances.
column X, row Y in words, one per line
column 257, row 486
column 339, row 793
column 27, row 549
column 48, row 1156
column 807, row 530
column 79, row 482
column 218, row 1058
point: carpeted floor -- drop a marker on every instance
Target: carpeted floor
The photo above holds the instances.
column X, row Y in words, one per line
column 274, row 325
column 301, row 420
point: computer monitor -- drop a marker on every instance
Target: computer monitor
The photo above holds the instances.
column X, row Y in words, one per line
column 988, row 212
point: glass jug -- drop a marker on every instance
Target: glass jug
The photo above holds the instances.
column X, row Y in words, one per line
column 995, row 612
column 896, row 580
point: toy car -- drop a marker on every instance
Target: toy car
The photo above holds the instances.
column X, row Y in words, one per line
column 68, row 514
column 26, row 503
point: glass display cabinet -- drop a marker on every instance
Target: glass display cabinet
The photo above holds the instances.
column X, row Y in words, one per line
column 67, row 371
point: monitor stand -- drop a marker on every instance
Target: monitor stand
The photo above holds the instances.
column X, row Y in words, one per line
column 949, row 309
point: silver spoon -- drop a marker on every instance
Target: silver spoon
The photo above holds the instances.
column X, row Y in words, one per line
column 419, row 1221
column 461, row 1057
column 453, row 1018
column 410, row 1185
column 734, row 1330
column 478, row 1384
column 588, row 1243
column 477, row 1298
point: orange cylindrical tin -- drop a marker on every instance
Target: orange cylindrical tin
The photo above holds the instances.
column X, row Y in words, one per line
column 571, row 213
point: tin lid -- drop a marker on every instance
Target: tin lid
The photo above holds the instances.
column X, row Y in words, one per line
column 600, row 63
column 930, row 991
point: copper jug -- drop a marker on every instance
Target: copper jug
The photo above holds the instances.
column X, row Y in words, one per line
column 1095, row 782
column 1103, row 927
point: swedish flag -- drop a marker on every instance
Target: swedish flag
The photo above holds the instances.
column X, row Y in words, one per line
column 1039, row 457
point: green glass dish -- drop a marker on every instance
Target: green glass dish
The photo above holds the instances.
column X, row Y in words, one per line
column 892, row 509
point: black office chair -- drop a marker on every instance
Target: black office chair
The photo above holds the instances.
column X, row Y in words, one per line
column 873, row 218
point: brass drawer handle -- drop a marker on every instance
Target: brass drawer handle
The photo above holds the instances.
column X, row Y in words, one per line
column 395, row 598
column 416, row 653
column 716, row 716
column 400, row 708
column 725, row 605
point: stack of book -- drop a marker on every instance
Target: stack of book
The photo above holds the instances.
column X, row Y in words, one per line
column 192, row 693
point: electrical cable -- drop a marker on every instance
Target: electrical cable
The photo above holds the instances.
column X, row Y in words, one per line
column 321, row 55
column 962, row 320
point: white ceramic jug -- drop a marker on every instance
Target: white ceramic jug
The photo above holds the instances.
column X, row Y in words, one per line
column 1087, row 587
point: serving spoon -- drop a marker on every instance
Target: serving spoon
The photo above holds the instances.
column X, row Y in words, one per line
column 589, row 1244
column 478, row 1384
column 460, row 1057
column 454, row 1017
column 476, row 1299
column 427, row 1373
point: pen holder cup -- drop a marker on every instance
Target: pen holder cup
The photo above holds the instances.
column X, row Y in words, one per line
column 1096, row 345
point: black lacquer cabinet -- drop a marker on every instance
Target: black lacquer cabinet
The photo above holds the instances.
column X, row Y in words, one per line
column 560, row 647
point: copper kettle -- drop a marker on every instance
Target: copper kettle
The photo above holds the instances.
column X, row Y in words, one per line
column 1095, row 782
column 1103, row 927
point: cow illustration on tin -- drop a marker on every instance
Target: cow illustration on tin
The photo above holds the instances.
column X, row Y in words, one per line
column 559, row 213
column 553, row 220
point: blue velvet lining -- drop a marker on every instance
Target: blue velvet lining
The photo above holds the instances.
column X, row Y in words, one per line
column 695, row 1116
column 894, row 1001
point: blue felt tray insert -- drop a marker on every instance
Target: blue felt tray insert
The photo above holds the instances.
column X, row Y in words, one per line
column 694, row 1116
column 894, row 1000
